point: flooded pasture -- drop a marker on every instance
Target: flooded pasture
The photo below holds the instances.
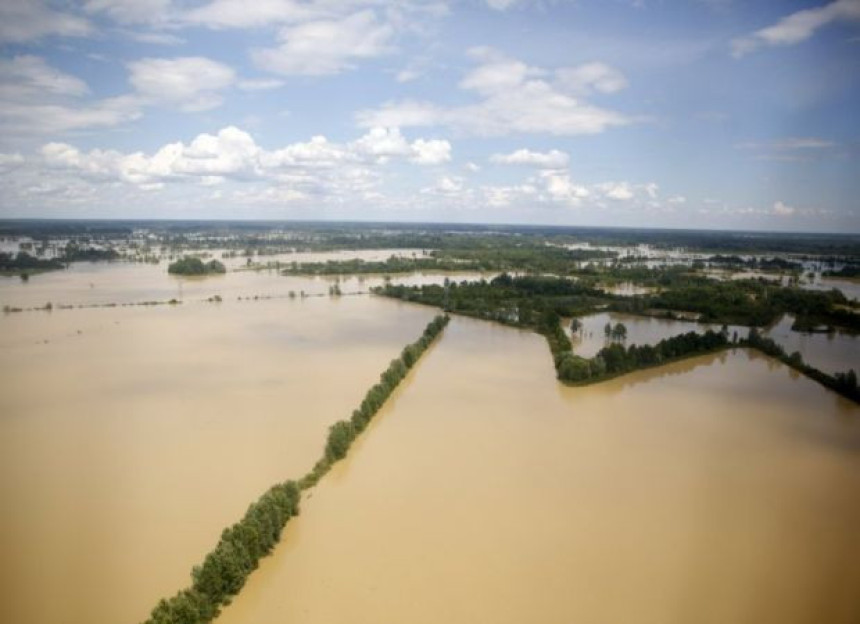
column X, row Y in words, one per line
column 717, row 489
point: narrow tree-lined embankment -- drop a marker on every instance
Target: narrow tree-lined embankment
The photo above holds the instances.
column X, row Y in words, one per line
column 226, row 568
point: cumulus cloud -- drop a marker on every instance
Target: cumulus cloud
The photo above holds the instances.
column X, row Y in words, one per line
column 560, row 187
column 446, row 185
column 514, row 98
column 233, row 154
column 22, row 21
column 189, row 83
column 326, row 46
column 617, row 190
column 553, row 159
column 382, row 144
column 432, row 152
column 797, row 27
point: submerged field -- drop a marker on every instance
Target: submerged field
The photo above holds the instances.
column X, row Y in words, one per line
column 712, row 489
column 130, row 437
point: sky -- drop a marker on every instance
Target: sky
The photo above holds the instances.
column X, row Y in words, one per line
column 718, row 114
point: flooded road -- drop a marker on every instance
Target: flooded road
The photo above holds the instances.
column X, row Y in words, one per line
column 718, row 489
column 130, row 437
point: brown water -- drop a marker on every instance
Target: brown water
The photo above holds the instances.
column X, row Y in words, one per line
column 100, row 283
column 719, row 489
column 591, row 338
column 130, row 437
column 834, row 352
column 831, row 352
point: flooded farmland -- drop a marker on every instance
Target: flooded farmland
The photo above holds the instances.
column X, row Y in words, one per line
column 831, row 352
column 130, row 437
column 711, row 490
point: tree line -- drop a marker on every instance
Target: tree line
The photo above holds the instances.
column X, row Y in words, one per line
column 843, row 383
column 190, row 265
column 226, row 568
column 344, row 432
column 616, row 359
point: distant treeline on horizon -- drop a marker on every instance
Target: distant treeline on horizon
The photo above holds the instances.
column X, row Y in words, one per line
column 726, row 239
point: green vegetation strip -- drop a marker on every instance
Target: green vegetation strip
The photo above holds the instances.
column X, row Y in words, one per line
column 539, row 303
column 225, row 569
column 191, row 265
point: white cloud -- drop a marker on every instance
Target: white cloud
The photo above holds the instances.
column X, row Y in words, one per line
column 497, row 73
column 36, row 98
column 381, row 144
column 446, row 185
column 514, row 99
column 260, row 84
column 130, row 11
column 407, row 75
column 797, row 27
column 792, row 149
column 502, row 5
column 791, row 143
column 243, row 14
column 432, row 152
column 560, row 187
column 233, row 154
column 584, row 79
column 155, row 38
column 10, row 161
column 28, row 20
column 471, row 167
column 782, row 210
column 651, row 189
column 553, row 159
column 326, row 46
column 620, row 191
column 188, row 83
column 504, row 196
column 25, row 76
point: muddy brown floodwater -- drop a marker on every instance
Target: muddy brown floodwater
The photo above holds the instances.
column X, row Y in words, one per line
column 717, row 489
column 130, row 437
column 834, row 352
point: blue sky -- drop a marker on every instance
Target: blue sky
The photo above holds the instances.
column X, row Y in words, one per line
column 708, row 113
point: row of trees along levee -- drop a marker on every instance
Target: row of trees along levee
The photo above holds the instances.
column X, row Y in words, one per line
column 617, row 359
column 540, row 302
column 226, row 568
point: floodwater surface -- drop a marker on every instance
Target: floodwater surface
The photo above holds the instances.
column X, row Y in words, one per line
column 717, row 489
column 130, row 437
column 830, row 352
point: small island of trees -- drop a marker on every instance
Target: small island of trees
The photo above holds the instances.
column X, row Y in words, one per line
column 189, row 265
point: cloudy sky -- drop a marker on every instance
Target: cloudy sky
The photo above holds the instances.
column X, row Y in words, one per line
column 675, row 113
